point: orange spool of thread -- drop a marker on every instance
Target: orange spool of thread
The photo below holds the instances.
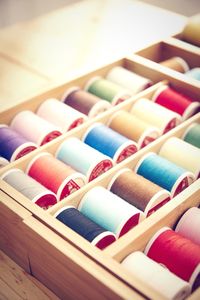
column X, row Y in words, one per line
column 133, row 128
column 176, row 63
column 55, row 175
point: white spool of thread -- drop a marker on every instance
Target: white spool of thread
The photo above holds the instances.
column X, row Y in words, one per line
column 158, row 278
column 183, row 154
column 60, row 114
column 34, row 128
column 155, row 114
column 128, row 79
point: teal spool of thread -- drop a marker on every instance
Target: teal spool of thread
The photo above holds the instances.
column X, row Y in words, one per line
column 192, row 135
column 110, row 211
column 194, row 73
column 107, row 90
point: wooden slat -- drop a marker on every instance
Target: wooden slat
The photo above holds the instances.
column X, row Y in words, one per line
column 15, row 283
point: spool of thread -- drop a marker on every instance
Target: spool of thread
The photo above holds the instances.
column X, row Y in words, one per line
column 175, row 101
column 192, row 135
column 180, row 255
column 30, row 188
column 109, row 142
column 107, row 90
column 83, row 158
column 92, row 232
column 34, row 128
column 109, row 211
column 13, row 145
column 189, row 225
column 138, row 191
column 128, row 79
column 55, row 175
column 60, row 114
column 133, row 128
column 191, row 31
column 164, row 173
column 176, row 63
column 3, row 162
column 183, row 154
column 194, row 73
column 155, row 114
column 153, row 275
column 85, row 102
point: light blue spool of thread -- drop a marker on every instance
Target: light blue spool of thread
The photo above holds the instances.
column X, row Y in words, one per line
column 194, row 73
column 164, row 173
column 109, row 142
column 83, row 158
column 110, row 211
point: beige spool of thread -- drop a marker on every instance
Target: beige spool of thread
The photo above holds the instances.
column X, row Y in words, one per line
column 155, row 114
column 183, row 154
column 155, row 276
column 133, row 128
column 176, row 63
column 191, row 32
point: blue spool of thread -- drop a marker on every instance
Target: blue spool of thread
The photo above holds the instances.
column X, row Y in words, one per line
column 110, row 211
column 13, row 145
column 164, row 173
column 91, row 231
column 194, row 73
column 83, row 158
column 109, row 142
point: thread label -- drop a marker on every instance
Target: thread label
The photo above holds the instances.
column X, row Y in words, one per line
column 69, row 188
column 147, row 140
column 122, row 99
column 182, row 186
column 170, row 126
column 76, row 123
column 51, row 136
column 128, row 151
column 156, row 207
column 25, row 151
column 100, row 168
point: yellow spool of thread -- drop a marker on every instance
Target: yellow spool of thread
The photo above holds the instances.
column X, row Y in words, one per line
column 191, row 32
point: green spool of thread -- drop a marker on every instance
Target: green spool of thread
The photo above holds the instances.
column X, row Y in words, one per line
column 192, row 135
column 107, row 90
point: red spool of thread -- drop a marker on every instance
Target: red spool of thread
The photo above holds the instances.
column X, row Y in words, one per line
column 55, row 175
column 180, row 255
column 176, row 101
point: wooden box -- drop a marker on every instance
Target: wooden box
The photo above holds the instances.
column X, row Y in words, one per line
column 52, row 252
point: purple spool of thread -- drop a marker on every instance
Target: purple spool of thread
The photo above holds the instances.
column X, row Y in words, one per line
column 13, row 145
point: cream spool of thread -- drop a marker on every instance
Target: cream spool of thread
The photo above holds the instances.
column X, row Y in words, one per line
column 34, row 128
column 155, row 114
column 164, row 173
column 109, row 142
column 189, row 225
column 107, row 90
column 60, row 114
column 3, row 162
column 159, row 279
column 89, row 230
column 110, row 211
column 176, row 63
column 128, row 79
column 138, row 191
column 85, row 102
column 133, row 128
column 55, row 175
column 83, row 158
column 191, row 31
column 180, row 255
column 192, row 135
column 183, row 154
column 30, row 188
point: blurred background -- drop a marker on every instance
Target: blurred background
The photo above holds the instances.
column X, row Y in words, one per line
column 13, row 11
